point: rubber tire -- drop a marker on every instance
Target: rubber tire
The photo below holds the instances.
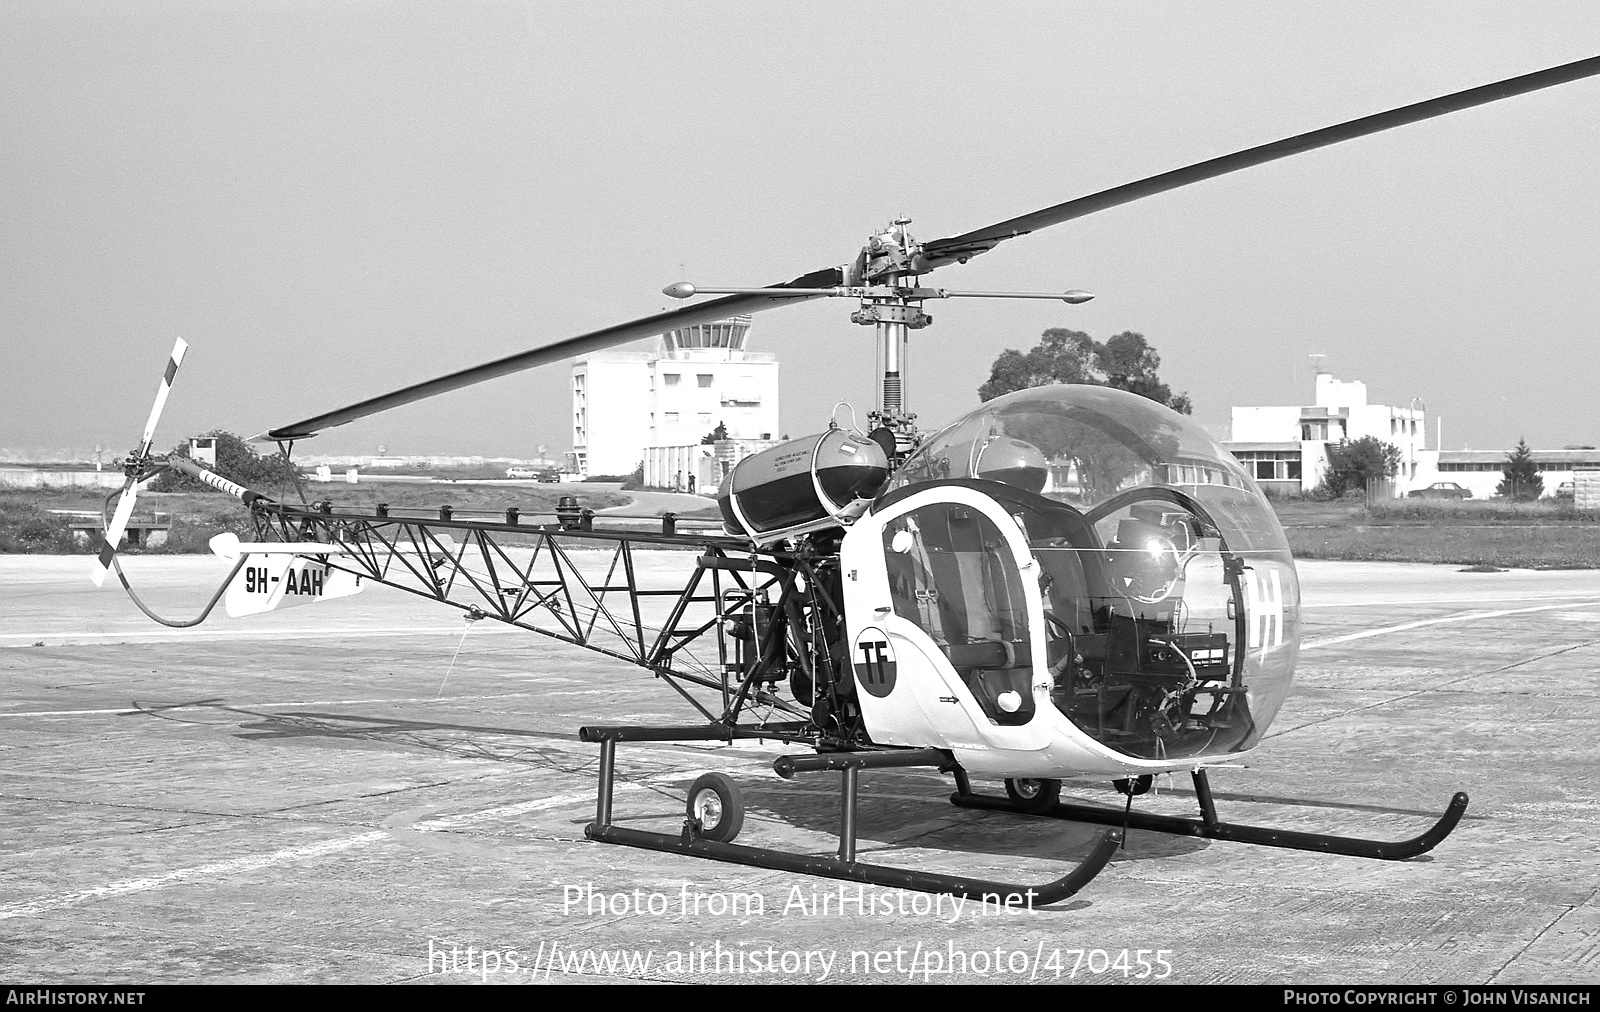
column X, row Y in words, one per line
column 728, row 800
column 1033, row 797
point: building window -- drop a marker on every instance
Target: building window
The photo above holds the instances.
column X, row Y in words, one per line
column 670, row 378
column 1314, row 431
column 1271, row 465
column 671, row 418
column 705, row 418
column 704, row 379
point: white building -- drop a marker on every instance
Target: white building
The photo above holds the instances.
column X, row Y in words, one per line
column 1481, row 471
column 655, row 407
column 1286, row 448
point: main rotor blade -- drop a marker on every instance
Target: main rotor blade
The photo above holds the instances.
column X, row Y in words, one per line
column 649, row 326
column 960, row 247
column 948, row 250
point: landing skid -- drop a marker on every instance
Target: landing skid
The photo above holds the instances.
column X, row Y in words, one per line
column 694, row 843
column 1209, row 827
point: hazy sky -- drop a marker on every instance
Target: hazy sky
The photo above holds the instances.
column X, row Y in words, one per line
column 329, row 200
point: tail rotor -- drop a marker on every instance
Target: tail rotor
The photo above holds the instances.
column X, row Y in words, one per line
column 138, row 470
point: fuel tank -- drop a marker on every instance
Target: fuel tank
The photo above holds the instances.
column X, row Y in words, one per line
column 803, row 485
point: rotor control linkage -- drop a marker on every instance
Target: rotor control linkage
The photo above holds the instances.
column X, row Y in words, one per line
column 693, row 843
column 1209, row 827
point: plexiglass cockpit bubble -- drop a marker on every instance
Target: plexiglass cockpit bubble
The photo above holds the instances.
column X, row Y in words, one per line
column 1170, row 605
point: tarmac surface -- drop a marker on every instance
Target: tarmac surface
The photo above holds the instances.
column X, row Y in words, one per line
column 367, row 791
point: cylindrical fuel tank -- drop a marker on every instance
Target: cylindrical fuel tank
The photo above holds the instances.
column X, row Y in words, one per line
column 803, row 485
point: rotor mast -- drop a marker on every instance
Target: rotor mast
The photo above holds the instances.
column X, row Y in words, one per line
column 891, row 260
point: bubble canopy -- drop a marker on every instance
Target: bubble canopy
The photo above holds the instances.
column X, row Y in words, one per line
column 1084, row 445
column 1170, row 620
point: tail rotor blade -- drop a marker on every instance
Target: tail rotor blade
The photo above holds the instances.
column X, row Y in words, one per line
column 113, row 534
column 165, row 387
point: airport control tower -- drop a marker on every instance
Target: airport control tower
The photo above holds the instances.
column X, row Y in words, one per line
column 656, row 406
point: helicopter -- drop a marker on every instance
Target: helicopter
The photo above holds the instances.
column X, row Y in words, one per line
column 1068, row 582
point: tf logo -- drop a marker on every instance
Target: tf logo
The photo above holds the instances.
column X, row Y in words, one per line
column 874, row 662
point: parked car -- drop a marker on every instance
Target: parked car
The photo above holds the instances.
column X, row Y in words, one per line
column 550, row 476
column 522, row 472
column 1440, row 490
column 1566, row 490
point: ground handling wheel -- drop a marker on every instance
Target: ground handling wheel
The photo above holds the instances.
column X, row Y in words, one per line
column 1034, row 797
column 716, row 803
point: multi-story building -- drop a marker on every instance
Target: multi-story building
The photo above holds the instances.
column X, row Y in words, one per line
column 654, row 408
column 1286, row 448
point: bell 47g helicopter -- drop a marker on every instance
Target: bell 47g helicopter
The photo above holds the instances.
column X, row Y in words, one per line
column 1068, row 582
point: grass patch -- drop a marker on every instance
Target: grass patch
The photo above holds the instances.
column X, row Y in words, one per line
column 31, row 528
column 1492, row 512
column 464, row 472
column 28, row 526
column 463, row 499
column 1503, row 547
column 1546, row 534
column 1539, row 535
column 193, row 528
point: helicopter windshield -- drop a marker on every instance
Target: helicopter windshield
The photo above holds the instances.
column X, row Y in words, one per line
column 1170, row 603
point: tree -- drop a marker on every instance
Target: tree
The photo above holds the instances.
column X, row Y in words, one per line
column 1130, row 364
column 1353, row 463
column 1061, row 356
column 236, row 460
column 715, row 435
column 1521, row 479
column 1126, row 362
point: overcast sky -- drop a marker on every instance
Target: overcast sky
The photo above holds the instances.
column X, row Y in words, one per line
column 329, row 200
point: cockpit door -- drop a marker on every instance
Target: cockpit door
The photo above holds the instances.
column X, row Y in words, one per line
column 946, row 582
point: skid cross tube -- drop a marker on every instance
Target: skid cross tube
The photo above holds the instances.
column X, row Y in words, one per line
column 845, row 866
column 1209, row 827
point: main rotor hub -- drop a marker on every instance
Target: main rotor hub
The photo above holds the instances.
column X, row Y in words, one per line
column 888, row 256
